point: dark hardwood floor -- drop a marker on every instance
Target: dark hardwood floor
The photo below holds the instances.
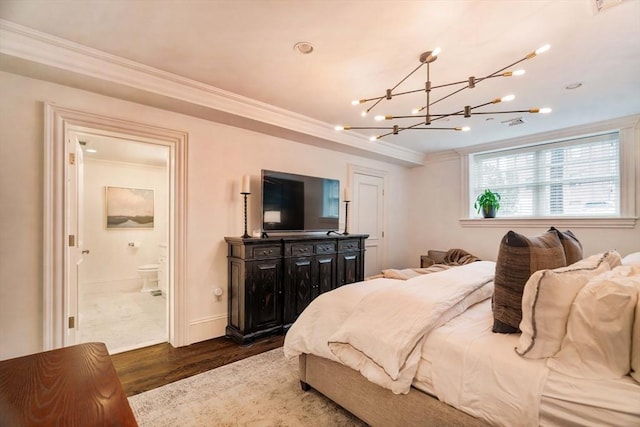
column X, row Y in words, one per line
column 150, row 367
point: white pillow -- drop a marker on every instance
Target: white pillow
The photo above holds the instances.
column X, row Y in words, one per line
column 600, row 327
column 547, row 299
column 635, row 343
column 631, row 259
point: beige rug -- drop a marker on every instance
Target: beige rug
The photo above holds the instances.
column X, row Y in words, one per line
column 263, row 390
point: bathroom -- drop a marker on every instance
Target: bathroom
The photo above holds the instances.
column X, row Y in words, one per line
column 123, row 281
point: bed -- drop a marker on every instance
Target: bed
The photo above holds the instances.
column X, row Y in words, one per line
column 424, row 351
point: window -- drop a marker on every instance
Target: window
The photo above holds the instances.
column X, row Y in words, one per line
column 331, row 198
column 572, row 178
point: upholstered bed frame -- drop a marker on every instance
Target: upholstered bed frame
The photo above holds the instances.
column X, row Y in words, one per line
column 373, row 404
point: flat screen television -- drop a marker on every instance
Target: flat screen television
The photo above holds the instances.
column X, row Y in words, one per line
column 293, row 202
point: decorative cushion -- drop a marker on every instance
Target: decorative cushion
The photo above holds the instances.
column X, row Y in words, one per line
column 631, row 259
column 571, row 244
column 546, row 303
column 600, row 327
column 518, row 258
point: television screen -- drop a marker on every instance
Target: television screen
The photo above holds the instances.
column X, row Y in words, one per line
column 293, row 202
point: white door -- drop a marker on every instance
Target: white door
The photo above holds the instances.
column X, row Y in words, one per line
column 74, row 227
column 368, row 218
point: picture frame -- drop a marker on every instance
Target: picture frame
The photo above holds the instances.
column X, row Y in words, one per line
column 129, row 208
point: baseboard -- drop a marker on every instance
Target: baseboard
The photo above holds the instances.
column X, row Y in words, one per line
column 207, row 328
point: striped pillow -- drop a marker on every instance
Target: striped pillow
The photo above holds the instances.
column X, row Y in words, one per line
column 518, row 258
column 547, row 300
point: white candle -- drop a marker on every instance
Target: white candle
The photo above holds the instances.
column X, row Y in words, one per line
column 246, row 184
column 347, row 196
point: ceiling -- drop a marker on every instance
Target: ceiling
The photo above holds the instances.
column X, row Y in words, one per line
column 363, row 47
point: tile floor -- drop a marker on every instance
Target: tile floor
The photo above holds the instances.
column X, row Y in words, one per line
column 121, row 316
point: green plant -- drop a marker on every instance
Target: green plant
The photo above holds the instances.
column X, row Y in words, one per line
column 486, row 200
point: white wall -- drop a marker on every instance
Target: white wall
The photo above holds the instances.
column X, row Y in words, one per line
column 435, row 208
column 110, row 257
column 218, row 156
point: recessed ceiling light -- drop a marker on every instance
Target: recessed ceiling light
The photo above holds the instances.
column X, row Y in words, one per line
column 91, row 150
column 573, row 86
column 304, row 48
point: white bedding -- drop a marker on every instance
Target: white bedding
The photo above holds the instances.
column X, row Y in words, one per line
column 463, row 363
column 381, row 338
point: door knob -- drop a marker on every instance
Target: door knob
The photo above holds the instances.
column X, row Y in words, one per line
column 86, row 251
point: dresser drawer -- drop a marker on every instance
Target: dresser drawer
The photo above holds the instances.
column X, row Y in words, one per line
column 267, row 251
column 301, row 249
column 349, row 245
column 325, row 248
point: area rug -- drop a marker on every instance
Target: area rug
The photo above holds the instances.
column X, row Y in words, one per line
column 261, row 391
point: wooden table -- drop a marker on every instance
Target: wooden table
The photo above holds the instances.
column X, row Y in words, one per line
column 71, row 386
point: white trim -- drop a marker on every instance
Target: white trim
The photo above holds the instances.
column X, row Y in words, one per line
column 58, row 120
column 203, row 328
column 42, row 48
column 547, row 222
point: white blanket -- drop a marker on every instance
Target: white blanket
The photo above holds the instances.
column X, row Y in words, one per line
column 382, row 337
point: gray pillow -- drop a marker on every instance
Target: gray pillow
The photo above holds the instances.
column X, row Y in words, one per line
column 571, row 244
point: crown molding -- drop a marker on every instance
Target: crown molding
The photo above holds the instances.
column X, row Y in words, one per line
column 35, row 46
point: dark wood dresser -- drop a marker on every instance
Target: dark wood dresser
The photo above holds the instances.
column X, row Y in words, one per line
column 70, row 386
column 271, row 280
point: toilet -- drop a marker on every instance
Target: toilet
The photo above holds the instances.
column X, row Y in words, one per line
column 149, row 275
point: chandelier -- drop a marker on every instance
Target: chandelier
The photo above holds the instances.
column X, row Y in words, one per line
column 428, row 117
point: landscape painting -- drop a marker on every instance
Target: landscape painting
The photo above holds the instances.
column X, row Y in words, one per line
column 129, row 208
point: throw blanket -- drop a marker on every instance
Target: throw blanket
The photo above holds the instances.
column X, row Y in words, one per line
column 453, row 257
column 382, row 338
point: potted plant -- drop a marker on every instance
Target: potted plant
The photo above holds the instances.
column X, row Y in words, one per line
column 488, row 202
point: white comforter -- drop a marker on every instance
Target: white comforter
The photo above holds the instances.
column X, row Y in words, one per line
column 377, row 327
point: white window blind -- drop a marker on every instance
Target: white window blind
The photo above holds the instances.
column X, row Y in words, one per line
column 574, row 178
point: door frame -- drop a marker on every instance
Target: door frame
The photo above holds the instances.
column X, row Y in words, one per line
column 58, row 121
column 353, row 169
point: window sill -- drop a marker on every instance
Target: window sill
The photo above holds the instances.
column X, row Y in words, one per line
column 627, row 222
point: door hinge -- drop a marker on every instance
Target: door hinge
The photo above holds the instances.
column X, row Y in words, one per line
column 72, row 158
column 72, row 240
column 72, row 322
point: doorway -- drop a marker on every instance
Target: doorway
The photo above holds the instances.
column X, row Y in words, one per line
column 369, row 212
column 64, row 238
column 122, row 267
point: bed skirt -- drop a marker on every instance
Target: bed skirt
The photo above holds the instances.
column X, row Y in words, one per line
column 373, row 404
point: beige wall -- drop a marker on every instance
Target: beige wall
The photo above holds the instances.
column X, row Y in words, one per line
column 424, row 204
column 218, row 156
column 436, row 206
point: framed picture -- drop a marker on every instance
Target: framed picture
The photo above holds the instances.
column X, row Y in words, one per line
column 129, row 208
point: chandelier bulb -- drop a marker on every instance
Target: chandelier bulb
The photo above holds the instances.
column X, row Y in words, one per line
column 514, row 73
column 363, row 114
column 542, row 49
column 538, row 51
column 507, row 98
column 373, row 138
column 339, row 128
column 379, row 118
column 357, row 101
column 545, row 110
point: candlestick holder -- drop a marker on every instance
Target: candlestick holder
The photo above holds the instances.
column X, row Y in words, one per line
column 346, row 217
column 245, row 235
